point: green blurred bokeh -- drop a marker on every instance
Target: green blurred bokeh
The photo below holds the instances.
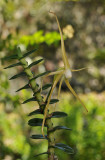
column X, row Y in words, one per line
column 29, row 25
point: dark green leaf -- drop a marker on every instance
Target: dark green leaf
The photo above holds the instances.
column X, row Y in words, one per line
column 35, row 122
column 58, row 114
column 46, row 86
column 58, row 128
column 28, row 53
column 11, row 57
column 38, row 111
column 36, row 62
column 18, row 75
column 64, row 147
column 40, row 75
column 41, row 154
column 25, row 87
column 29, row 100
column 38, row 136
column 52, row 101
column 13, row 65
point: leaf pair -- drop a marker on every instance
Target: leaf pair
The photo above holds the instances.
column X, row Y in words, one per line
column 15, row 56
column 60, row 146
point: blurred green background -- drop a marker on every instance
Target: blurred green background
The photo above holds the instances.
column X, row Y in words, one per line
column 29, row 25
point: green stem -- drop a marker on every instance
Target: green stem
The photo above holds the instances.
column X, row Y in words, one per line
column 51, row 139
column 34, row 87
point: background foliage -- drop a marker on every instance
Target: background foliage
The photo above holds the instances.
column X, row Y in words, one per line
column 29, row 25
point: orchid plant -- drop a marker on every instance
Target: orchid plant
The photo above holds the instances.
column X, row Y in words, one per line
column 62, row 74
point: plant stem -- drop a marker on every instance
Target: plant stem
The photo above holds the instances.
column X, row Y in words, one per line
column 37, row 95
column 51, row 139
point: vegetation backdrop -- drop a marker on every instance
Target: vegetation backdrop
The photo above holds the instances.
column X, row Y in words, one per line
column 29, row 25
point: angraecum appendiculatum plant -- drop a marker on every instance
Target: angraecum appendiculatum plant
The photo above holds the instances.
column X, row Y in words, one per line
column 62, row 74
